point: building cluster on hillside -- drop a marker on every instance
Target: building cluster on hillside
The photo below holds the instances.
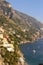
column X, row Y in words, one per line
column 9, row 46
column 4, row 41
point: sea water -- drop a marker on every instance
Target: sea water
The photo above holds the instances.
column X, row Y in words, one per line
column 33, row 52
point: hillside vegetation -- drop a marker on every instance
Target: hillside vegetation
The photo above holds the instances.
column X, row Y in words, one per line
column 15, row 28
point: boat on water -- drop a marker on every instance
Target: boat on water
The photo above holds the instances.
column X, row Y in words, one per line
column 34, row 51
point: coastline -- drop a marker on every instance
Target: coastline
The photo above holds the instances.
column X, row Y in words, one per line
column 30, row 42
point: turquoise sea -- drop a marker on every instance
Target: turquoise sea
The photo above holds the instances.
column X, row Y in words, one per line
column 33, row 52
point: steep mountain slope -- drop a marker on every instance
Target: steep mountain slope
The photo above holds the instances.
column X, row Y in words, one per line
column 28, row 25
column 29, row 20
column 23, row 19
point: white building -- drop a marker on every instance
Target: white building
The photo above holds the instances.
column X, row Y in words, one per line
column 10, row 49
column 1, row 36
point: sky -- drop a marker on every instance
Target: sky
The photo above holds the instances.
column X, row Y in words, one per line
column 33, row 8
